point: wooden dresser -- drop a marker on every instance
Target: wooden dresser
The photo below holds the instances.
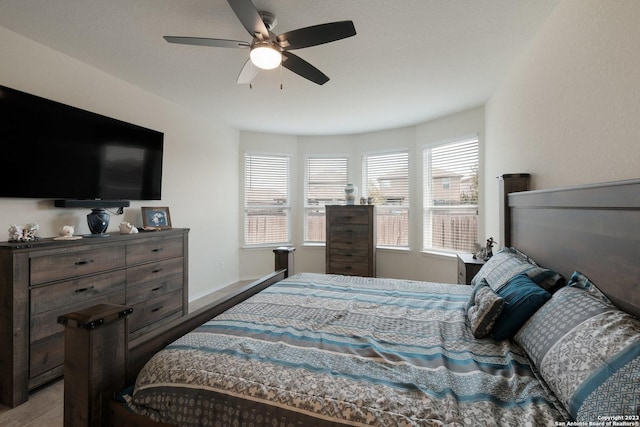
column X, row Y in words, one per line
column 42, row 280
column 351, row 240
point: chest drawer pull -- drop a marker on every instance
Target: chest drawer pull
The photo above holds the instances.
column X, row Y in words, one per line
column 156, row 288
column 156, row 309
column 157, row 270
column 84, row 262
column 156, row 249
column 79, row 291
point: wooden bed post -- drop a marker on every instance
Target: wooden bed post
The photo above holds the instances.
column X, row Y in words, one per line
column 509, row 183
column 95, row 349
column 284, row 259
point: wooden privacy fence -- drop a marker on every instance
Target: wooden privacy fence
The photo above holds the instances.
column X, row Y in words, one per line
column 449, row 231
column 454, row 231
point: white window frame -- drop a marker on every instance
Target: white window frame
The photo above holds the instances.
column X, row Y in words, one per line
column 429, row 207
column 284, row 208
column 403, row 208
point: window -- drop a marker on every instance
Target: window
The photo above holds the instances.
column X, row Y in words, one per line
column 451, row 196
column 324, row 182
column 385, row 179
column 267, row 208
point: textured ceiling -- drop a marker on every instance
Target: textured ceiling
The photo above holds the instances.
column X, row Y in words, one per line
column 411, row 60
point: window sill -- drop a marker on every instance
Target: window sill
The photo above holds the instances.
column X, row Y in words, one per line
column 439, row 255
column 263, row 247
column 400, row 249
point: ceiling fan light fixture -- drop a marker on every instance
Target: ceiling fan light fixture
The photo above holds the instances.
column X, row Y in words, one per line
column 265, row 56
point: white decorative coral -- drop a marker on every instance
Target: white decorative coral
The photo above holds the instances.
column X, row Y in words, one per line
column 23, row 233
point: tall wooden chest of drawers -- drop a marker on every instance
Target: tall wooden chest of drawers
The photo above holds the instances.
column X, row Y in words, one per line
column 351, row 240
column 42, row 280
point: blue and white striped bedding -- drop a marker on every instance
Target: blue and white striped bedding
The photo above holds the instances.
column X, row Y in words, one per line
column 319, row 349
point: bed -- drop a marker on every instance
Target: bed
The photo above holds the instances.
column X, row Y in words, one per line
column 547, row 334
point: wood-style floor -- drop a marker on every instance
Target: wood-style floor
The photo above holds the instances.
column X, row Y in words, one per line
column 45, row 407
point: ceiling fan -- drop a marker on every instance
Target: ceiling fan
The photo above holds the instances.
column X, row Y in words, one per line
column 268, row 51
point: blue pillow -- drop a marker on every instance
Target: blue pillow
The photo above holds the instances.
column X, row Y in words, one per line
column 522, row 298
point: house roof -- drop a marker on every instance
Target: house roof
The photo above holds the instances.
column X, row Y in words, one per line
column 410, row 61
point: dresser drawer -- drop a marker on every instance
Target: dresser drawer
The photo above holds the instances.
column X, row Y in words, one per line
column 154, row 272
column 73, row 292
column 46, row 354
column 65, row 266
column 348, row 268
column 46, row 323
column 150, row 290
column 151, row 311
column 350, row 215
column 160, row 249
column 349, row 254
column 346, row 235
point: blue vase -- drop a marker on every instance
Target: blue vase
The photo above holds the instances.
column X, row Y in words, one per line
column 98, row 221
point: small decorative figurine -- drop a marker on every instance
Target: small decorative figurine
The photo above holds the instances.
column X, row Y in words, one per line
column 127, row 228
column 484, row 253
column 490, row 243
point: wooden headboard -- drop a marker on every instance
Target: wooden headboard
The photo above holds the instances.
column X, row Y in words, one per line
column 594, row 229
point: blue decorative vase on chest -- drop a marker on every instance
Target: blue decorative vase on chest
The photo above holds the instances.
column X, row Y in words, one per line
column 350, row 194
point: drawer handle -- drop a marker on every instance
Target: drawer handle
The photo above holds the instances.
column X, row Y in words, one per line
column 348, row 254
column 84, row 262
column 348, row 267
column 349, row 230
column 157, row 270
column 79, row 291
column 349, row 217
column 156, row 250
column 156, row 289
column 156, row 309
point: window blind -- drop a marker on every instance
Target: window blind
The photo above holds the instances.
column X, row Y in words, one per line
column 267, row 207
column 385, row 179
column 450, row 186
column 324, row 182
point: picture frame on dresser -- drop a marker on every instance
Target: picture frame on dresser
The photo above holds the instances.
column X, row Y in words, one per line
column 156, row 217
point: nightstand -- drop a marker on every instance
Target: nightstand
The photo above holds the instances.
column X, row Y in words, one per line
column 467, row 268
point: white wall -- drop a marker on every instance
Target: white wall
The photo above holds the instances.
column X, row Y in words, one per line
column 406, row 264
column 569, row 110
column 200, row 156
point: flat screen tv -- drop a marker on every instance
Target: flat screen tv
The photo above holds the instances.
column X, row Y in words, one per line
column 55, row 151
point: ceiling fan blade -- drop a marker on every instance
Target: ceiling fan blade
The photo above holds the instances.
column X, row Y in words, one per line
column 316, row 34
column 303, row 68
column 248, row 73
column 249, row 17
column 202, row 41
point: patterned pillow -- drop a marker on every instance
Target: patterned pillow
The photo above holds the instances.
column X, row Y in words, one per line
column 508, row 263
column 581, row 281
column 522, row 297
column 549, row 280
column 588, row 352
column 485, row 307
